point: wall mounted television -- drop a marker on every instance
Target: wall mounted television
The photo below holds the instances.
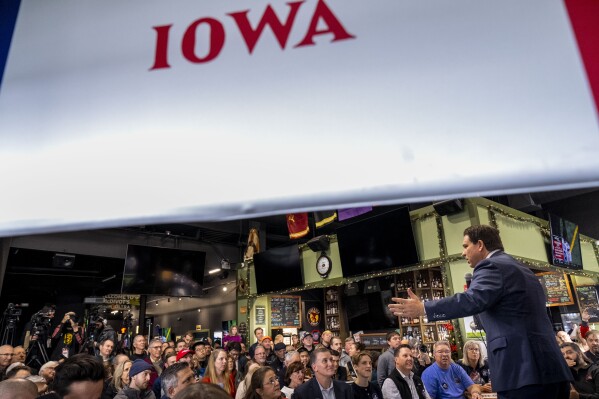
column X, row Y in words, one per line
column 278, row 269
column 382, row 242
column 163, row 271
column 565, row 243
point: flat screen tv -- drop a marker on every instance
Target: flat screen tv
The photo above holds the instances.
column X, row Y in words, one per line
column 382, row 242
column 565, row 243
column 278, row 269
column 163, row 271
column 367, row 308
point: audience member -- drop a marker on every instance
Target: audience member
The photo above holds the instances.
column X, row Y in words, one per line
column 308, row 342
column 259, row 355
column 48, row 371
column 175, row 378
column 325, row 338
column 244, row 386
column 120, row 379
column 402, row 382
column 6, row 354
column 139, row 348
column 216, row 372
column 475, row 366
column 294, row 377
column 584, row 372
column 19, row 354
column 386, row 363
column 201, row 391
column 233, row 336
column 139, row 375
column 18, row 371
column 592, row 338
column 154, row 359
column 362, row 387
column 323, row 369
column 78, row 377
column 264, row 385
column 18, row 389
column 340, row 372
column 444, row 379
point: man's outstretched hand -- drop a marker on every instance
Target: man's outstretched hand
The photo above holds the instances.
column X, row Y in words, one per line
column 410, row 307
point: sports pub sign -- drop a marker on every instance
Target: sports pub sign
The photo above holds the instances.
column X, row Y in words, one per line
column 121, row 302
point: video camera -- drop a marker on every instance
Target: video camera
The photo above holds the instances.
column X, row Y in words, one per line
column 13, row 311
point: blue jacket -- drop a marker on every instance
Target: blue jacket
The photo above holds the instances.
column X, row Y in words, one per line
column 511, row 304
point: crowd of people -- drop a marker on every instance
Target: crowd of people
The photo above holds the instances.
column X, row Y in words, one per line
column 524, row 359
column 270, row 369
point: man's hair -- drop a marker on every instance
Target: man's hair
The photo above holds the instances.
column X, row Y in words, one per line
column 104, row 341
column 51, row 363
column 399, row 348
column 335, row 338
column 16, row 369
column 592, row 332
column 358, row 356
column 487, row 234
column 77, row 368
column 179, row 341
column 315, row 352
column 168, row 378
column 348, row 339
column 155, row 340
column 441, row 343
column 14, row 387
column 391, row 334
column 233, row 346
column 289, row 355
column 581, row 356
column 258, row 328
column 203, row 391
column 334, row 352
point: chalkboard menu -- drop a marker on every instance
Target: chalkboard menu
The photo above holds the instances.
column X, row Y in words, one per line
column 587, row 299
column 285, row 311
column 557, row 288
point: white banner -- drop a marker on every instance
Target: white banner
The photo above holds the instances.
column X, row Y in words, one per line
column 115, row 113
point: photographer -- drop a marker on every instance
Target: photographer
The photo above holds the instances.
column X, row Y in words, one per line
column 36, row 336
column 68, row 337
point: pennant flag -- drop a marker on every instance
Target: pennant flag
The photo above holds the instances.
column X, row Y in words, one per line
column 349, row 213
column 324, row 218
column 297, row 223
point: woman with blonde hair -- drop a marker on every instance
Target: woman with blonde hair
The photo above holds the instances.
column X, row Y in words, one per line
column 245, row 384
column 475, row 366
column 120, row 379
column 217, row 373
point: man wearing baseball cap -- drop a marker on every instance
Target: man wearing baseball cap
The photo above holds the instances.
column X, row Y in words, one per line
column 185, row 355
column 139, row 375
column 267, row 344
column 279, row 363
column 308, row 342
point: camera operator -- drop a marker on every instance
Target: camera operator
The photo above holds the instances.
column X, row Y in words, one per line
column 37, row 336
column 68, row 337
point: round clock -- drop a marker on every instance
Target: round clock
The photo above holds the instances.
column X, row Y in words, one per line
column 323, row 265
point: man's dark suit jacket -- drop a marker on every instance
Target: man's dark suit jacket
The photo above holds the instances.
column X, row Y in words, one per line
column 511, row 305
column 311, row 390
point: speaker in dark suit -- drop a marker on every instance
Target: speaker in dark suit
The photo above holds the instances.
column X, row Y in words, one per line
column 524, row 358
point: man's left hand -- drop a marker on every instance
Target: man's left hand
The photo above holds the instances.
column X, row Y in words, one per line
column 411, row 307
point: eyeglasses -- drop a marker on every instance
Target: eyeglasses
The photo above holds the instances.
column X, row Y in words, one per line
column 272, row 382
column 155, row 347
column 6, row 354
column 474, row 349
column 446, row 352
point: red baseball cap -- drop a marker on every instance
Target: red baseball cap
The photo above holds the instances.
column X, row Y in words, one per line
column 183, row 353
